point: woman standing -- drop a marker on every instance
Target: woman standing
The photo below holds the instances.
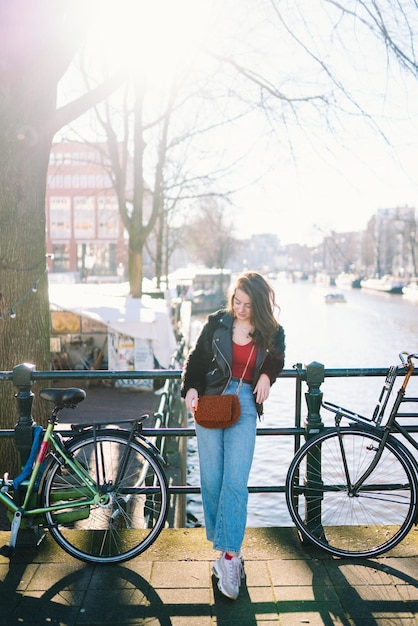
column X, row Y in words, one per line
column 245, row 333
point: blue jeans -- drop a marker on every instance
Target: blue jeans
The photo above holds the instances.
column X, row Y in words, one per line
column 225, row 458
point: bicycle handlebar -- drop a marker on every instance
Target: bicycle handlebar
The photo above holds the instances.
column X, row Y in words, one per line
column 406, row 359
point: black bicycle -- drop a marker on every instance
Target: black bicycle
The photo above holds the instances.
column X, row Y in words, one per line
column 352, row 490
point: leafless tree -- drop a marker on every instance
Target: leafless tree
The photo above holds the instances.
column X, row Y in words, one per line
column 210, row 236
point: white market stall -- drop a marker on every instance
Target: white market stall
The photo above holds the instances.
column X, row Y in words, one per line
column 138, row 333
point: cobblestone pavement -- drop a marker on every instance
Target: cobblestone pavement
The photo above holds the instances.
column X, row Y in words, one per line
column 171, row 584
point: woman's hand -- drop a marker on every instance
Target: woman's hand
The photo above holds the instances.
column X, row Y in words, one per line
column 191, row 399
column 262, row 389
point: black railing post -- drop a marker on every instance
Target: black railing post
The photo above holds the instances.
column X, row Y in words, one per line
column 315, row 375
column 22, row 379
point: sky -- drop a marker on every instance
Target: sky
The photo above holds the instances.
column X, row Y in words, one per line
column 339, row 192
column 298, row 178
column 335, row 176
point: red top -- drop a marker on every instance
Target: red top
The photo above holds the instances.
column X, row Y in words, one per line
column 240, row 356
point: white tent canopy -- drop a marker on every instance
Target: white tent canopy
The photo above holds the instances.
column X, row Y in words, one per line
column 144, row 318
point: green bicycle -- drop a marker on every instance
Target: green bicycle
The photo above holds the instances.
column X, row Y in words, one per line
column 102, row 493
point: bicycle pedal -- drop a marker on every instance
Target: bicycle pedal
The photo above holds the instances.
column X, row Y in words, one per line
column 7, row 551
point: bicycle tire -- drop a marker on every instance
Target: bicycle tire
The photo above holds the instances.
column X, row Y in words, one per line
column 137, row 506
column 369, row 523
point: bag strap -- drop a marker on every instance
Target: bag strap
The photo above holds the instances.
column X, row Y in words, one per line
column 245, row 369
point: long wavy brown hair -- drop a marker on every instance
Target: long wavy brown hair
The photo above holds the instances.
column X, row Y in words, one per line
column 263, row 306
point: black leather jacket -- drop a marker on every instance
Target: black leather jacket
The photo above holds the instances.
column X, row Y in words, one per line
column 208, row 366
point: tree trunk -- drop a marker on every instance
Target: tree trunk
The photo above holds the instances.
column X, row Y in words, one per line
column 25, row 105
column 135, row 273
column 37, row 43
column 159, row 250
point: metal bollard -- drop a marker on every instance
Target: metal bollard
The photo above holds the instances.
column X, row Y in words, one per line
column 313, row 511
column 22, row 379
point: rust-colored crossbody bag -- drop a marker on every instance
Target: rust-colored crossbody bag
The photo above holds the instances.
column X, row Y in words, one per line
column 220, row 411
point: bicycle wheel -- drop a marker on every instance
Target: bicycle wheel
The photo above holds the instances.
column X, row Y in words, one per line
column 367, row 522
column 133, row 505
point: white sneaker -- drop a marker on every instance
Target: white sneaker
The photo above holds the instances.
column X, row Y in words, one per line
column 229, row 572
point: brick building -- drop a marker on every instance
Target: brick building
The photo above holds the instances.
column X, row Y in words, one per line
column 85, row 234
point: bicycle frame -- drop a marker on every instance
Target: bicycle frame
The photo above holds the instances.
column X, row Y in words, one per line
column 391, row 426
column 91, row 497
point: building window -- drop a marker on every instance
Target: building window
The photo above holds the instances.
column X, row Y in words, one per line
column 84, row 226
column 60, row 218
column 97, row 259
column 61, row 254
column 107, row 217
column 67, row 181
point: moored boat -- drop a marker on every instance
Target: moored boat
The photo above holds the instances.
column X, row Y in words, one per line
column 348, row 280
column 387, row 284
column 206, row 288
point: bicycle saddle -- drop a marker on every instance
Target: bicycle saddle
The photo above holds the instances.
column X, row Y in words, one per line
column 67, row 397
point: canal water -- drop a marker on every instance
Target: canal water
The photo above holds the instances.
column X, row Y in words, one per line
column 368, row 330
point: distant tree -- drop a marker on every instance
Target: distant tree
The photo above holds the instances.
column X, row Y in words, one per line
column 141, row 202
column 149, row 155
column 209, row 235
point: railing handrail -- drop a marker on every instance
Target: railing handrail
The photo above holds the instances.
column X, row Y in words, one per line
column 176, row 374
column 299, row 372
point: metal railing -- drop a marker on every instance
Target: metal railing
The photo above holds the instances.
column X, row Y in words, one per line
column 24, row 375
column 313, row 375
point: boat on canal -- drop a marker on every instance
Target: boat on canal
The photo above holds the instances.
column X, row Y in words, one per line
column 348, row 280
column 334, row 297
column 206, row 288
column 386, row 284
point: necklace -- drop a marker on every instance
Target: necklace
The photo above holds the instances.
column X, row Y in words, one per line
column 246, row 332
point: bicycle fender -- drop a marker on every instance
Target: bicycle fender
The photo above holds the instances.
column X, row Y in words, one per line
column 378, row 430
column 125, row 434
column 399, row 444
column 153, row 448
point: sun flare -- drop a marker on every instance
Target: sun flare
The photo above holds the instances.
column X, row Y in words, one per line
column 154, row 38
